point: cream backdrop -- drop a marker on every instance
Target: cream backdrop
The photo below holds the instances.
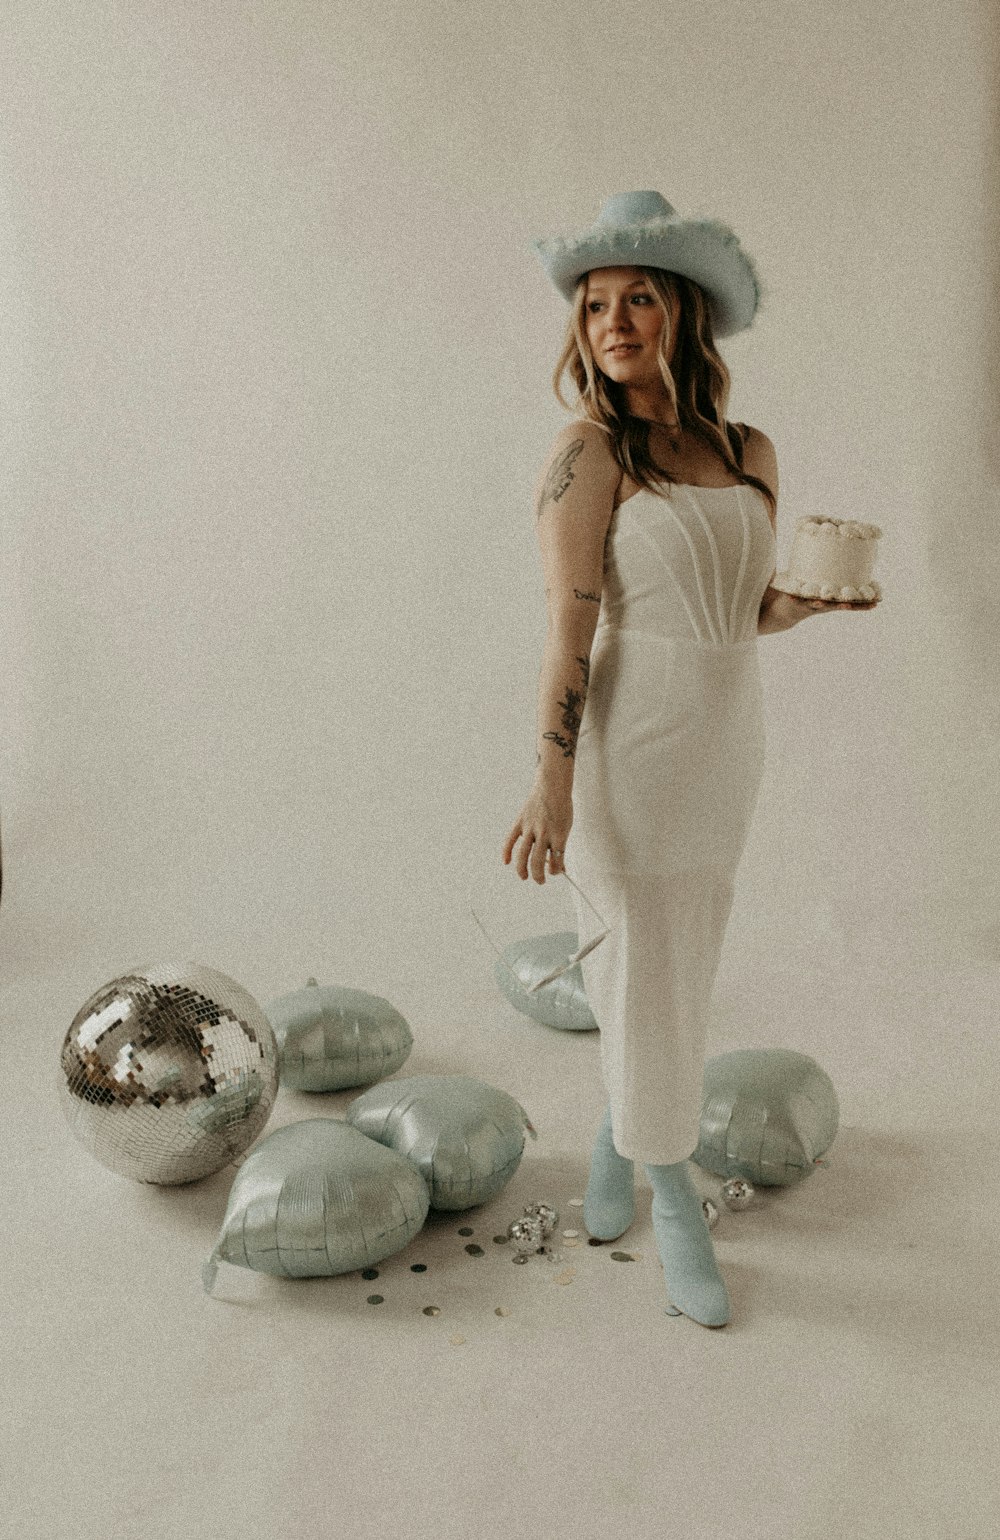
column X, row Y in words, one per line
column 276, row 364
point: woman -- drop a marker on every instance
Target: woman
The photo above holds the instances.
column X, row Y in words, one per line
column 656, row 524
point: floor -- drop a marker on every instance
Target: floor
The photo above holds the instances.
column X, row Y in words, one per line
column 853, row 1394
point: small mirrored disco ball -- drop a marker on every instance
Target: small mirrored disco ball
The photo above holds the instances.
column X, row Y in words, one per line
column 168, row 1073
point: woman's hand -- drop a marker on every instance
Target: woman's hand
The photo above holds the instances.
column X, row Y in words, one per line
column 544, row 820
column 780, row 610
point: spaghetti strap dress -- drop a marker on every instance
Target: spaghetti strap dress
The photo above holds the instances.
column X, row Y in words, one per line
column 668, row 764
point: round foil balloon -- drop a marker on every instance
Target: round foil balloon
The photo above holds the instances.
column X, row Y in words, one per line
column 767, row 1115
column 168, row 1073
column 331, row 1037
column 561, row 1003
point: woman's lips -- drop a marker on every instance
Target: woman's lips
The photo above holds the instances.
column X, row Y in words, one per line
column 625, row 347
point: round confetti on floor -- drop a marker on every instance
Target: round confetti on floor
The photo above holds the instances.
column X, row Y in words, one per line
column 622, row 1256
column 418, row 1267
column 369, row 1272
column 576, row 1203
column 466, row 1230
column 376, row 1299
column 474, row 1250
column 500, row 1310
column 500, row 1240
column 432, row 1310
column 569, row 1233
column 457, row 1341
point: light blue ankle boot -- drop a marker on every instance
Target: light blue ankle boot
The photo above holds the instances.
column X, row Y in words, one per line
column 609, row 1204
column 694, row 1282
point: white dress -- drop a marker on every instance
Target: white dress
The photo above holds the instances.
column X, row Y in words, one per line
column 669, row 758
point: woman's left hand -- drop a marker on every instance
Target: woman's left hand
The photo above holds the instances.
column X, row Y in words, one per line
column 781, row 610
column 834, row 604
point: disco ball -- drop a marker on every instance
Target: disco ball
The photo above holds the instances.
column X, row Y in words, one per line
column 168, row 1073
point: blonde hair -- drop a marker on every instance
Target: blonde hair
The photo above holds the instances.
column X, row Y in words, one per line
column 697, row 387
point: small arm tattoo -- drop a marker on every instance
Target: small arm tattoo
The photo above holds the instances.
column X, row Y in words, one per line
column 559, row 476
column 596, row 597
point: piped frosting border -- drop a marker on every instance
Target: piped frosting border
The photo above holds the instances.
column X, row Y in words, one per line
column 845, row 594
column 842, row 529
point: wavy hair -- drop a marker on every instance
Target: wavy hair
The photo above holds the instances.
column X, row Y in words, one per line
column 698, row 385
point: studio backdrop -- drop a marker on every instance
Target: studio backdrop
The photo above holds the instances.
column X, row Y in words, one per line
column 275, row 362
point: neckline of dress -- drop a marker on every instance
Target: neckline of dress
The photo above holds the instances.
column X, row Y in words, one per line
column 690, row 486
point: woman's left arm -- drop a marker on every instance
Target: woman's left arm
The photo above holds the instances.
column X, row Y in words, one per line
column 778, row 610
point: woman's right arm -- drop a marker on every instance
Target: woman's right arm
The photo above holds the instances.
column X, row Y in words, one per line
column 574, row 503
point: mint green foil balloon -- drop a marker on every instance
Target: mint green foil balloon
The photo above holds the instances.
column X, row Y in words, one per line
column 331, row 1038
column 563, row 1003
column 767, row 1114
column 465, row 1137
column 317, row 1198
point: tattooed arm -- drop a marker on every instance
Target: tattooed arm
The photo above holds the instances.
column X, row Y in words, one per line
column 574, row 502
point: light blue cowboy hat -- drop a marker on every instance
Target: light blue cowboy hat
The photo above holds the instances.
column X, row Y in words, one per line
column 642, row 229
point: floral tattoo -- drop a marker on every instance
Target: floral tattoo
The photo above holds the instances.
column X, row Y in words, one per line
column 572, row 706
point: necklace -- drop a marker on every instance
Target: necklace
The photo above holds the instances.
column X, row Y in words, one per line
column 674, row 433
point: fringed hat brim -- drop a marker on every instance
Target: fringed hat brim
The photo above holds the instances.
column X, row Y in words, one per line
column 704, row 249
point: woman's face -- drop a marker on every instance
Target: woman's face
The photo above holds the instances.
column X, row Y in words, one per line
column 620, row 307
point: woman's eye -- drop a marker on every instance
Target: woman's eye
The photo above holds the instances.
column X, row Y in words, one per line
column 594, row 303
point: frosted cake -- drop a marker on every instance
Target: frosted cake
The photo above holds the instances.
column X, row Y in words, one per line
column 831, row 559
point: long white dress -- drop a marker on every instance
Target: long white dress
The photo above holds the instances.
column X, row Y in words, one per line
column 669, row 758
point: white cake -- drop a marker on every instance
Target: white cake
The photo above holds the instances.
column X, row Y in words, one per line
column 831, row 559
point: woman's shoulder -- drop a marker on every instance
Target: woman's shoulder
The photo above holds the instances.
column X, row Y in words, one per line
column 586, row 441
column 755, row 438
column 582, row 451
column 587, row 429
column 759, row 455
